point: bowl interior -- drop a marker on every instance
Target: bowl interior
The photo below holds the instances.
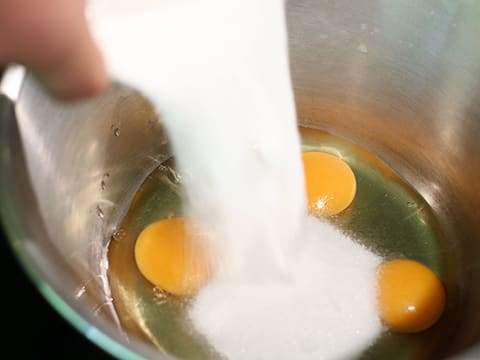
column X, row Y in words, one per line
column 399, row 79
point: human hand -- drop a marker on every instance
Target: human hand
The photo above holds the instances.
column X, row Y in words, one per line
column 52, row 39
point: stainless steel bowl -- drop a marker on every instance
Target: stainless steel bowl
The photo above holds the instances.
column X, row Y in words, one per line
column 401, row 79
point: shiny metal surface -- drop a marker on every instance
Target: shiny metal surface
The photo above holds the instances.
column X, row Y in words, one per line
column 399, row 78
column 60, row 200
column 403, row 80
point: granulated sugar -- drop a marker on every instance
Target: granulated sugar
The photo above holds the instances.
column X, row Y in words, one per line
column 326, row 310
column 288, row 286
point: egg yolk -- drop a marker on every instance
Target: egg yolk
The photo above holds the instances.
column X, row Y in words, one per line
column 173, row 257
column 330, row 183
column 411, row 298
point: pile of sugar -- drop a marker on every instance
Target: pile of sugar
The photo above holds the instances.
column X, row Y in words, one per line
column 288, row 286
column 325, row 311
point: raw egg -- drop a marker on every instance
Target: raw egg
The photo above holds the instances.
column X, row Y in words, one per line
column 411, row 298
column 330, row 183
column 172, row 255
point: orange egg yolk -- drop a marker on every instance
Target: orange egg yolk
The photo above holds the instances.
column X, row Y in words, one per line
column 172, row 256
column 411, row 298
column 330, row 183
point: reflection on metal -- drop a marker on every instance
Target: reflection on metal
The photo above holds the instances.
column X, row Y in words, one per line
column 11, row 82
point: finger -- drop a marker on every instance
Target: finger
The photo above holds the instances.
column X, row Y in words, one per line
column 52, row 38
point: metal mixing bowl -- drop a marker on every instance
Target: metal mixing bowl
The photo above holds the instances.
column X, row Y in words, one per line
column 401, row 79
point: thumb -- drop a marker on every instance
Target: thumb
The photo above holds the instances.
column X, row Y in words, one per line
column 52, row 38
